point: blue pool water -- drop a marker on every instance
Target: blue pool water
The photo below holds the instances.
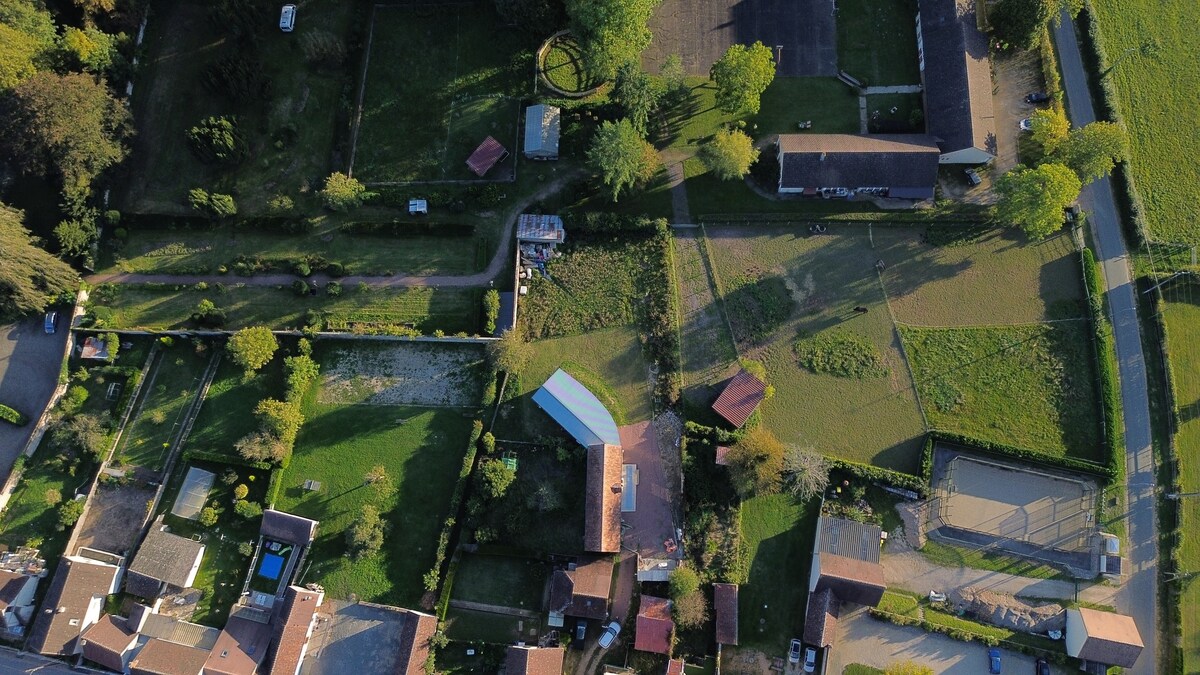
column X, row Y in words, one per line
column 271, row 566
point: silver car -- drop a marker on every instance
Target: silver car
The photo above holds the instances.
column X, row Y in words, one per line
column 611, row 631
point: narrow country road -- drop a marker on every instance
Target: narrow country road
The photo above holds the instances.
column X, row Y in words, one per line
column 1138, row 596
column 495, row 266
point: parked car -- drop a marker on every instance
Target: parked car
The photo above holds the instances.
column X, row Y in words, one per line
column 610, row 633
column 794, row 652
column 1027, row 124
column 973, row 177
column 937, row 596
column 51, row 322
column 810, row 659
column 287, row 18
column 1041, row 667
column 1037, row 97
column 994, row 661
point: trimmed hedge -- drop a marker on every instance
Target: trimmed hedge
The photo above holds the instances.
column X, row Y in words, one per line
column 401, row 228
column 155, row 221
column 273, row 486
column 1106, row 360
column 12, row 416
column 877, row 474
column 225, row 458
column 1012, row 451
column 456, row 500
column 280, row 224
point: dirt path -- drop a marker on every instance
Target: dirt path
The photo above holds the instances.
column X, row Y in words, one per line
column 673, row 160
column 593, row 657
column 495, row 266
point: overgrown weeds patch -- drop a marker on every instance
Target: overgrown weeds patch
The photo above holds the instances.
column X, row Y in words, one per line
column 841, row 353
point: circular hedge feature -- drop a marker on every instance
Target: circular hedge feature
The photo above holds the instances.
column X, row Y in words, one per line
column 561, row 66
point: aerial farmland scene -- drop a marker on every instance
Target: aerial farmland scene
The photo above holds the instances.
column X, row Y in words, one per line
column 588, row 337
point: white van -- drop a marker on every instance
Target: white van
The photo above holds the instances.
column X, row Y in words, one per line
column 287, row 19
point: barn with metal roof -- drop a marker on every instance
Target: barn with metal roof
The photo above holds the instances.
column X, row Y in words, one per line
column 577, row 410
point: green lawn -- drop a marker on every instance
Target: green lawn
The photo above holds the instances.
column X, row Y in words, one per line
column 778, row 536
column 949, row 555
column 563, row 66
column 471, row 626
column 959, row 284
column 439, row 81
column 32, row 512
column 290, row 132
column 1157, row 99
column 168, row 390
column 500, row 580
column 895, row 114
column 877, row 41
column 900, row 602
column 1182, row 318
column 1033, row 386
column 160, row 307
column 227, row 412
column 422, row 450
column 223, row 569
column 707, row 345
column 778, row 285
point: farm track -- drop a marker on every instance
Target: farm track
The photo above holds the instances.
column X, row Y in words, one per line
column 494, row 268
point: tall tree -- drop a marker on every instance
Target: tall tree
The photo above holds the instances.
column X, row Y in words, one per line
column 1020, row 22
column 1049, row 128
column 1094, row 150
column 805, row 472
column 75, row 236
column 253, row 347
column 610, row 33
column 1034, row 199
column 756, row 463
column 17, row 54
column 742, row 75
column 637, row 94
column 342, row 193
column 29, row 276
column 729, row 154
column 675, row 86
column 621, row 156
column 512, row 352
column 68, row 124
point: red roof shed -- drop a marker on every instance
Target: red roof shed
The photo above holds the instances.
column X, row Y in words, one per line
column 487, row 155
column 740, row 397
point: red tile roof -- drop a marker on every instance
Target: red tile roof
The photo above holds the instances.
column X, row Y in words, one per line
column 602, row 519
column 654, row 626
column 675, row 667
column 160, row 657
column 107, row 642
column 741, row 396
column 292, row 632
column 725, row 605
column 415, row 637
column 535, row 660
column 722, row 455
column 485, row 156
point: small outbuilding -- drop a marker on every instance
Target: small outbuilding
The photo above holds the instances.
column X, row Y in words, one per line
column 163, row 561
column 655, row 627
column 577, row 411
column 536, row 228
column 1104, row 638
column 542, row 123
column 725, row 606
column 582, row 590
column 526, row 660
column 95, row 348
column 488, row 154
column 740, row 398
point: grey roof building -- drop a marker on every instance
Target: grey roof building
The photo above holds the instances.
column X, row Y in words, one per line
column 287, row 528
column 73, row 603
column 164, row 560
column 542, row 124
column 957, row 79
column 902, row 166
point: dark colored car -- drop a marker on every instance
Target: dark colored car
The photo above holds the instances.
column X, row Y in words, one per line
column 580, row 633
column 994, row 661
column 1041, row 667
column 1037, row 97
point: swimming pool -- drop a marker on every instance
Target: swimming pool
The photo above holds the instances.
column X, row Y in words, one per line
column 271, row 566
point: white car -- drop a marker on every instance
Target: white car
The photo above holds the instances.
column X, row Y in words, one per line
column 287, row 19
column 610, row 633
column 1027, row 124
column 810, row 659
column 794, row 651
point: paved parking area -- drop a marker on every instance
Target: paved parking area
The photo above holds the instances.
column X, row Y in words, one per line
column 700, row 31
column 354, row 638
column 861, row 639
column 29, row 363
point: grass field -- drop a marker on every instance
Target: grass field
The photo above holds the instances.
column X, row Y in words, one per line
column 226, row 414
column 161, row 307
column 421, row 448
column 779, row 285
column 1033, row 386
column 176, row 381
column 956, row 285
column 500, row 580
column 439, row 81
column 167, row 251
column 564, row 68
column 290, row 132
column 32, row 512
column 1157, row 99
column 1182, row 318
column 471, row 626
column 877, row 41
column 895, row 114
column 778, row 535
column 706, row 343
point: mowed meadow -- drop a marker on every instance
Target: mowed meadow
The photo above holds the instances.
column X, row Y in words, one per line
column 1157, row 98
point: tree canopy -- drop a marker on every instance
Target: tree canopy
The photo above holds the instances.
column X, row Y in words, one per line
column 1034, row 199
column 1049, row 128
column 756, row 463
column 742, row 75
column 67, row 124
column 29, row 276
column 805, row 472
column 1094, row 150
column 637, row 94
column 252, row 348
column 342, row 193
column 621, row 156
column 494, row 478
column 610, row 33
column 1020, row 22
column 729, row 154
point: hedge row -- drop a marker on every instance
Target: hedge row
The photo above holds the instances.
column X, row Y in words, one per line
column 402, row 228
column 1050, row 66
column 456, row 499
column 1106, row 360
column 877, row 474
column 1018, row 641
column 273, row 486
column 1012, row 451
column 226, row 458
column 1128, row 200
column 9, row 415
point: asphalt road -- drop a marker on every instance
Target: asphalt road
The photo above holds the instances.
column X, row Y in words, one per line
column 1139, row 594
column 29, row 363
column 11, row 664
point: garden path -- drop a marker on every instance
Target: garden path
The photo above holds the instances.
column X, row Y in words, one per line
column 495, row 266
column 673, row 160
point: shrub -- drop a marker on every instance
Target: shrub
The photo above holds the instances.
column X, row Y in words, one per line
column 247, row 510
column 365, row 537
column 300, row 288
column 335, row 269
column 208, row 516
column 333, row 289
column 280, row 204
column 241, row 491
column 12, row 416
column 491, row 310
column 488, row 443
column 69, row 513
column 252, row 348
column 218, row 139
column 683, row 581
column 342, row 193
column 245, row 549
column 302, row 268
column 842, row 354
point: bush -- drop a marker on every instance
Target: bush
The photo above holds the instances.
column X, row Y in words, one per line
column 333, row 289
column 842, row 354
column 491, row 310
column 683, row 581
column 208, row 516
column 488, row 443
column 300, row 288
column 335, row 269
column 365, row 537
column 302, row 268
column 247, row 510
column 342, row 193
column 12, row 416
column 241, row 491
column 73, row 401
column 69, row 513
column 218, row 139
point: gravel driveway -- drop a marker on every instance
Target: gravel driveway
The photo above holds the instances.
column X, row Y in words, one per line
column 29, row 364
column 861, row 639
